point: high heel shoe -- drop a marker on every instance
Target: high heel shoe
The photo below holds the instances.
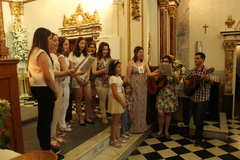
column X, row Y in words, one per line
column 115, row 144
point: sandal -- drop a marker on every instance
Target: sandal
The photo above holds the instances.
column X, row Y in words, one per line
column 125, row 136
column 128, row 134
column 167, row 136
column 116, row 144
column 59, row 139
column 122, row 140
column 67, row 129
column 61, row 133
column 54, row 144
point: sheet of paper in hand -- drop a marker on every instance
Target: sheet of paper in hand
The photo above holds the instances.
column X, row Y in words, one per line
column 87, row 64
column 166, row 69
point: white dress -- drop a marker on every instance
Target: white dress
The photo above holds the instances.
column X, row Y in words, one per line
column 114, row 107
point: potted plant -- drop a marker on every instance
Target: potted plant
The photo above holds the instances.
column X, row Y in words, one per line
column 4, row 134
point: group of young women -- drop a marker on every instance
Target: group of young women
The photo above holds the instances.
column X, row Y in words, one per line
column 51, row 70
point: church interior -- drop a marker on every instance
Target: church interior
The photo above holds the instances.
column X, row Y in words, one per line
column 162, row 27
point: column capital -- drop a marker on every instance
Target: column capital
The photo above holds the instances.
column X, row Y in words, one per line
column 163, row 4
column 229, row 44
column 172, row 11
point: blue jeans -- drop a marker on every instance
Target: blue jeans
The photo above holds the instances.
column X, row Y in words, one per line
column 125, row 122
column 198, row 111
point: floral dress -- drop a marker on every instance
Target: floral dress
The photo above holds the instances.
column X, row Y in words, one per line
column 101, row 80
column 139, row 91
column 166, row 101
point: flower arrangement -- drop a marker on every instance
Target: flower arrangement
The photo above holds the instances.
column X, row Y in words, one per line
column 4, row 134
column 19, row 44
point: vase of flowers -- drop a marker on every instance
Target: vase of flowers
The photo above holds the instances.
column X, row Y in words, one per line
column 4, row 134
column 19, row 41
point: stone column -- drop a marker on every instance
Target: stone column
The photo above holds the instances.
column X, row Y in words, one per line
column 163, row 4
column 173, row 13
column 229, row 47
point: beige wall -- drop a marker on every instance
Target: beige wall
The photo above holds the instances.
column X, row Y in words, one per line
column 213, row 13
column 114, row 19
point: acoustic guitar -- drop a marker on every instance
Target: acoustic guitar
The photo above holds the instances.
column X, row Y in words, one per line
column 155, row 86
column 195, row 83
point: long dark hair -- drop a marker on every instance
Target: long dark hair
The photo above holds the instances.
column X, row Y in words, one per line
column 92, row 43
column 60, row 50
column 100, row 49
column 40, row 40
column 76, row 50
column 135, row 51
column 112, row 67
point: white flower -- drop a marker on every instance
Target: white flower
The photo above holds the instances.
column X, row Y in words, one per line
column 19, row 44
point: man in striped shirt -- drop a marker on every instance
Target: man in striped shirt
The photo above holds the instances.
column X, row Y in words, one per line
column 200, row 98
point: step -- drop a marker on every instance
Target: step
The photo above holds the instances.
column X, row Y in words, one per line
column 98, row 147
column 217, row 130
column 112, row 153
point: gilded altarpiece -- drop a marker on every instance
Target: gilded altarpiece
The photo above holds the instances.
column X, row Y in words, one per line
column 82, row 24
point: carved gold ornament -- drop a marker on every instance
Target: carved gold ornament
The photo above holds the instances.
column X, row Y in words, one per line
column 229, row 22
column 135, row 10
column 229, row 44
column 88, row 25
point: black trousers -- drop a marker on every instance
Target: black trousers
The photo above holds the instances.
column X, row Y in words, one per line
column 46, row 99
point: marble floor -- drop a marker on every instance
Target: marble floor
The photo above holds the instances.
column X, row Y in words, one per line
column 179, row 146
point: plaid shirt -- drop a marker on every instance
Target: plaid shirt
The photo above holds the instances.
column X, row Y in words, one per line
column 203, row 93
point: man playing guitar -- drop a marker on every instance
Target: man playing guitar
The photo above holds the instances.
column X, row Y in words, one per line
column 199, row 100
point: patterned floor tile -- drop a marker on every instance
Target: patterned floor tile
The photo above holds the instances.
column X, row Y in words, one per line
column 236, row 154
column 150, row 141
column 159, row 146
column 216, row 142
column 145, row 149
column 229, row 157
column 228, row 148
column 166, row 153
column 180, row 150
column 204, row 154
column 171, row 144
column 190, row 156
column 178, row 147
column 184, row 141
column 216, row 151
column 152, row 155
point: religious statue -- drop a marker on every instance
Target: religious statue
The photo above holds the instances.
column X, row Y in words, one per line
column 229, row 22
